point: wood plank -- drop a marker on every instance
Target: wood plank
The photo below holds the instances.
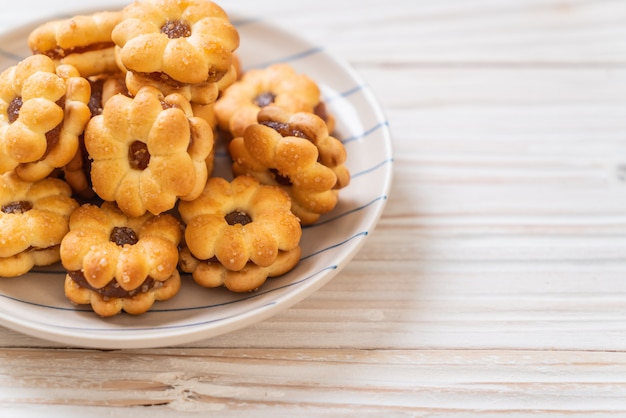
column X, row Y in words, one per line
column 370, row 382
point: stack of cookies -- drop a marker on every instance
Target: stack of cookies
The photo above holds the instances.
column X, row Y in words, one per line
column 108, row 131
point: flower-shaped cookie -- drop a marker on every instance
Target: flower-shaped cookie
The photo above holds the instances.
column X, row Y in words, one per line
column 43, row 111
column 148, row 151
column 83, row 41
column 183, row 41
column 115, row 262
column 239, row 233
column 33, row 221
column 277, row 84
column 309, row 126
column 296, row 153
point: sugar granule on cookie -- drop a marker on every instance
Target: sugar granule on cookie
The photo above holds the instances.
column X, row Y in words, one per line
column 238, row 234
column 119, row 263
column 33, row 221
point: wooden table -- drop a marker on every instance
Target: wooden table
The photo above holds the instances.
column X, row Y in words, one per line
column 495, row 282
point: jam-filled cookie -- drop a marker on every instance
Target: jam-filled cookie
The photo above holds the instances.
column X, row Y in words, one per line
column 83, row 41
column 309, row 126
column 277, row 84
column 33, row 221
column 43, row 111
column 119, row 263
column 238, row 234
column 294, row 152
column 174, row 41
column 148, row 151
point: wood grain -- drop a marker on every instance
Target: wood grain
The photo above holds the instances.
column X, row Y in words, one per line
column 370, row 382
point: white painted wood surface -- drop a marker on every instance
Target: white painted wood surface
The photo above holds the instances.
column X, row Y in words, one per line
column 495, row 283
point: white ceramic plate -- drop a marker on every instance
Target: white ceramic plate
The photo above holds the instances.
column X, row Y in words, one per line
column 35, row 304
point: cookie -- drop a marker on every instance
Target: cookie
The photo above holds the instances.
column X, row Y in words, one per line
column 33, row 221
column 43, row 111
column 277, row 84
column 239, row 233
column 179, row 42
column 83, row 41
column 283, row 151
column 119, row 263
column 310, row 126
column 148, row 151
